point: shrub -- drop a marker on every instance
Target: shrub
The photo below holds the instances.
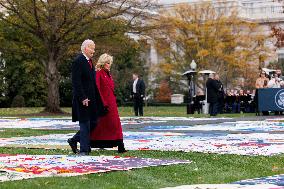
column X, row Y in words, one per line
column 18, row 101
column 164, row 92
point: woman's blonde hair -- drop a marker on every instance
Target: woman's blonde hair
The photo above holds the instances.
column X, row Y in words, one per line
column 103, row 59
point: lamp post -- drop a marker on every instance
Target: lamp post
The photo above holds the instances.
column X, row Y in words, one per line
column 193, row 65
column 190, row 76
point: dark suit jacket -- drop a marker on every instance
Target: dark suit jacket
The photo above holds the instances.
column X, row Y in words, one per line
column 84, row 86
column 140, row 88
column 212, row 90
column 221, row 92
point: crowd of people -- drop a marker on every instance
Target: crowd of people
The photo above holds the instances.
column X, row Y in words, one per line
column 273, row 80
column 236, row 101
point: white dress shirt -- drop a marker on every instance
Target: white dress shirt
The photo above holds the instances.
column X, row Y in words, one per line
column 134, row 85
column 86, row 56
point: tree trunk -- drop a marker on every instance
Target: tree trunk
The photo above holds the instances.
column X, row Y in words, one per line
column 52, row 78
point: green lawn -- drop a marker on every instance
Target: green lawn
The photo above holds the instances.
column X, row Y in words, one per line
column 206, row 168
column 7, row 133
column 165, row 111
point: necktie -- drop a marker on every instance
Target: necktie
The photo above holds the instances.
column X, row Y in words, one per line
column 90, row 63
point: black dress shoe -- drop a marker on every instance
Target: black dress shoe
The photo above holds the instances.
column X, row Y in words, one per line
column 121, row 148
column 83, row 154
column 73, row 145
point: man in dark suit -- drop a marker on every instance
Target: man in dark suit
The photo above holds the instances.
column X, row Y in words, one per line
column 212, row 95
column 221, row 94
column 138, row 93
column 84, row 102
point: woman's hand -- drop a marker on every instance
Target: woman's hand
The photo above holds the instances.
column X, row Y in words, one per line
column 105, row 110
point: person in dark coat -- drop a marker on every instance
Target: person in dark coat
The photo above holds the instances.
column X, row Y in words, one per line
column 221, row 94
column 212, row 95
column 108, row 132
column 84, row 102
column 138, row 94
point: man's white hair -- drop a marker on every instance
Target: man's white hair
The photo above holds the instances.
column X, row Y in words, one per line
column 86, row 43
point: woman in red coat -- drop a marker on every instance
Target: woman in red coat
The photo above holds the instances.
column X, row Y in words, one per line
column 108, row 132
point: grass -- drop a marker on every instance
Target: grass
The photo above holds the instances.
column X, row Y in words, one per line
column 7, row 133
column 19, row 111
column 206, row 168
column 163, row 111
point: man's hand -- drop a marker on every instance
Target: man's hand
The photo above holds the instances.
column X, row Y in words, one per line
column 86, row 102
column 105, row 111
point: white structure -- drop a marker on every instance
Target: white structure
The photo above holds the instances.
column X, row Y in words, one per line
column 177, row 98
column 258, row 10
column 261, row 10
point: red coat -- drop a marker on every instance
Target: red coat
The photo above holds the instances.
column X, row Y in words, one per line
column 108, row 126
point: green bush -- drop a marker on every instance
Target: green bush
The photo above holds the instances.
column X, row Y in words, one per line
column 18, row 101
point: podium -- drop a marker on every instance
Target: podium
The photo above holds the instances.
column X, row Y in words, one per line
column 271, row 99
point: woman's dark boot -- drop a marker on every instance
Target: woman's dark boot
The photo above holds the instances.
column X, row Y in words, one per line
column 121, row 148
